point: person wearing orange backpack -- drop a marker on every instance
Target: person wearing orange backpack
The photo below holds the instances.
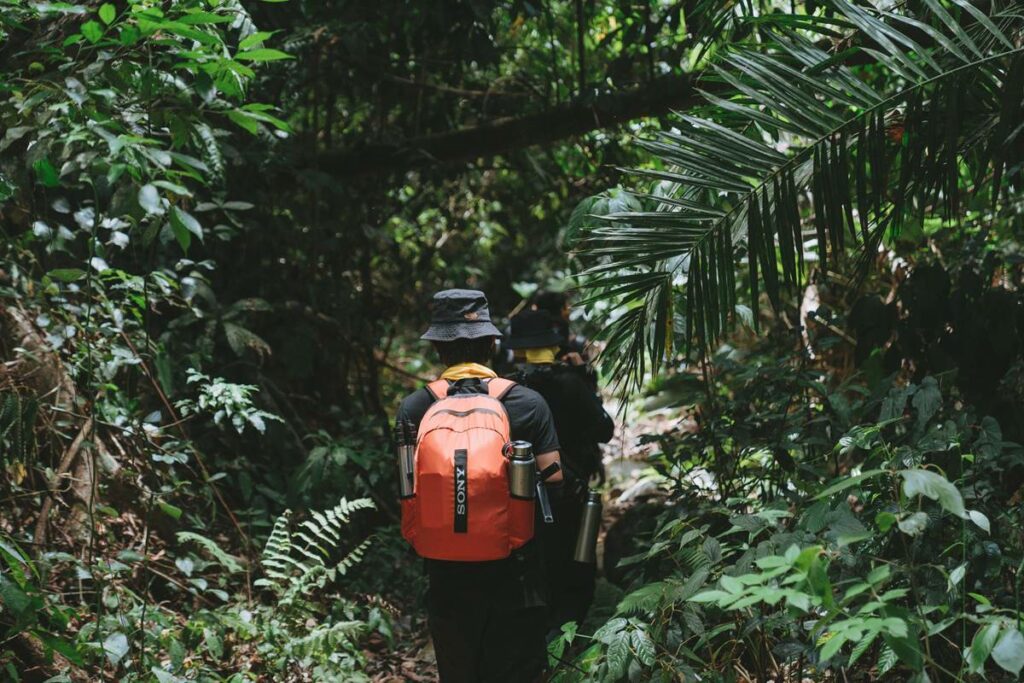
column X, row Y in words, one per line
column 486, row 457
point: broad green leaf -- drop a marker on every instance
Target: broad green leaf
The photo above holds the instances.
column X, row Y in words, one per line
column 183, row 220
column 46, row 173
column 244, row 120
column 182, row 235
column 926, row 483
column 618, row 654
column 115, row 646
column 262, row 54
column 1009, row 651
column 957, row 575
column 981, row 646
column 884, row 520
column 107, row 13
column 731, row 584
column 643, row 646
column 13, row 598
column 254, row 39
column 832, row 646
column 980, row 519
column 149, row 199
column 92, row 30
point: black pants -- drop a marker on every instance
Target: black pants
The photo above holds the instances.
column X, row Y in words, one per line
column 481, row 632
column 475, row 643
column 570, row 583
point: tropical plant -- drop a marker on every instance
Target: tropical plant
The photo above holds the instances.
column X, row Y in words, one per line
column 867, row 119
column 298, row 563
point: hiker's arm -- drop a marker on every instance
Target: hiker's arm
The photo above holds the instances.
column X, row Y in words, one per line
column 544, row 460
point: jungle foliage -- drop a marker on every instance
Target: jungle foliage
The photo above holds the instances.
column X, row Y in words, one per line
column 843, row 495
column 220, row 220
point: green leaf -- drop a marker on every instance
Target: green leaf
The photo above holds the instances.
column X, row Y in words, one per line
column 846, row 483
column 244, row 120
column 262, row 54
column 731, row 584
column 183, row 220
column 643, row 646
column 13, row 598
column 46, row 173
column 149, row 199
column 165, row 676
column 171, row 510
column 832, row 645
column 926, row 483
column 254, row 39
column 66, row 274
column 92, row 30
column 618, row 654
column 115, row 646
column 1009, row 651
column 957, row 575
column 927, row 400
column 981, row 646
column 710, row 596
column 981, row 520
column 107, row 13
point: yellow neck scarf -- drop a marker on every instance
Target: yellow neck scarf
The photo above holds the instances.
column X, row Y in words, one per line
column 467, row 370
column 542, row 356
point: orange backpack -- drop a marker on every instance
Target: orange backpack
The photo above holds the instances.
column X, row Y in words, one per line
column 462, row 508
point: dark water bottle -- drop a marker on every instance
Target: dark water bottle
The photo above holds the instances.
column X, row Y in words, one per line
column 590, row 524
column 405, row 445
column 522, row 470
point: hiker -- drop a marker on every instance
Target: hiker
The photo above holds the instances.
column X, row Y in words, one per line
column 486, row 603
column 573, row 349
column 581, row 423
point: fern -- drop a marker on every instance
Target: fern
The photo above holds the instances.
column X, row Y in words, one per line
column 225, row 560
column 297, row 561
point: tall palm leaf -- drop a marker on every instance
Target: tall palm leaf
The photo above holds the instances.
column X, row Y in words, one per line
column 933, row 109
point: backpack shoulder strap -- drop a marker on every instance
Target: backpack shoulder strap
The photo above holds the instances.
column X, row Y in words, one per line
column 498, row 387
column 438, row 389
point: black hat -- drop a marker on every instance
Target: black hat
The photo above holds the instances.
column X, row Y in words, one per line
column 533, row 330
column 459, row 314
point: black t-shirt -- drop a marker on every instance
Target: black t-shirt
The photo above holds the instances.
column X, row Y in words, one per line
column 579, row 416
column 518, row 581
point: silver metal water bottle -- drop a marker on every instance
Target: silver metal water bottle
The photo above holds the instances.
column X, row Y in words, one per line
column 522, row 470
column 405, row 444
column 590, row 524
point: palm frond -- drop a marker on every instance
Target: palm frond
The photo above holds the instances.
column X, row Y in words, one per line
column 853, row 152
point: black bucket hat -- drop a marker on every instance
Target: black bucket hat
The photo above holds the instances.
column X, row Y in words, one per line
column 459, row 314
column 533, row 330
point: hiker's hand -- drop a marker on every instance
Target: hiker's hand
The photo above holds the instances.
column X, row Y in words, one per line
column 574, row 358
